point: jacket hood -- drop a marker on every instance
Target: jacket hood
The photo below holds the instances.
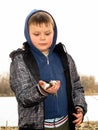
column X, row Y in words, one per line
column 26, row 31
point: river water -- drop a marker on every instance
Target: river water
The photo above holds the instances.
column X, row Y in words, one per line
column 9, row 115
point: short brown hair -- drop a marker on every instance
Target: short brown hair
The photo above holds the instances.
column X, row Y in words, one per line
column 40, row 18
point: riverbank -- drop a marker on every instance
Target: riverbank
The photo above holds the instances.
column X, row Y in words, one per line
column 84, row 126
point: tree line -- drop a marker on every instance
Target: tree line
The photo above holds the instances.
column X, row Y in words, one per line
column 89, row 83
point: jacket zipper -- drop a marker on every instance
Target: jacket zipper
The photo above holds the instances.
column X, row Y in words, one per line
column 47, row 60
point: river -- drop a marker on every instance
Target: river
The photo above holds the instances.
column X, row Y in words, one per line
column 9, row 115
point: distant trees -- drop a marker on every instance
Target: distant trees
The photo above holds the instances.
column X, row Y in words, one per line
column 90, row 86
column 5, row 89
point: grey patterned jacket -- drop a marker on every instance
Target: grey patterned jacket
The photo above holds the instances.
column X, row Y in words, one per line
column 24, row 76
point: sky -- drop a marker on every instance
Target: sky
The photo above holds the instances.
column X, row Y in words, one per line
column 77, row 22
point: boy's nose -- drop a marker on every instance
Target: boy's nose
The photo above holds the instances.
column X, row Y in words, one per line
column 42, row 37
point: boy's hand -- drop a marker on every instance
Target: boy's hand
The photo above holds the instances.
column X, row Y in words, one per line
column 79, row 117
column 52, row 89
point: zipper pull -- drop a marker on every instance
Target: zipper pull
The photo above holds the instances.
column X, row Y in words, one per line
column 47, row 60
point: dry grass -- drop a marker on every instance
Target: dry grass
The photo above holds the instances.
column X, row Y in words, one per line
column 84, row 126
column 8, row 128
column 88, row 126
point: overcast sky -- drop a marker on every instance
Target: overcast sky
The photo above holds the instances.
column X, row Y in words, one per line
column 77, row 22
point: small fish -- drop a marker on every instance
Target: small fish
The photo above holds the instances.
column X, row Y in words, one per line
column 50, row 84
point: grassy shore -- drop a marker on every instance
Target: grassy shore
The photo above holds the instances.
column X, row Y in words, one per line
column 88, row 126
column 84, row 126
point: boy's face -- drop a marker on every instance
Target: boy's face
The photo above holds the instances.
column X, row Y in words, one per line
column 41, row 36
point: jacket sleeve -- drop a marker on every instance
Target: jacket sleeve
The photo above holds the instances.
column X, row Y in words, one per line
column 77, row 88
column 23, row 84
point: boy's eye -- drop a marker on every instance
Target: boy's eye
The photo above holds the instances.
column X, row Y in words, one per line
column 48, row 33
column 36, row 34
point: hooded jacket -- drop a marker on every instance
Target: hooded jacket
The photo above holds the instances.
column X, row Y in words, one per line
column 25, row 72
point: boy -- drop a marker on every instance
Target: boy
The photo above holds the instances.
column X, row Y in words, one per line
column 44, row 79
